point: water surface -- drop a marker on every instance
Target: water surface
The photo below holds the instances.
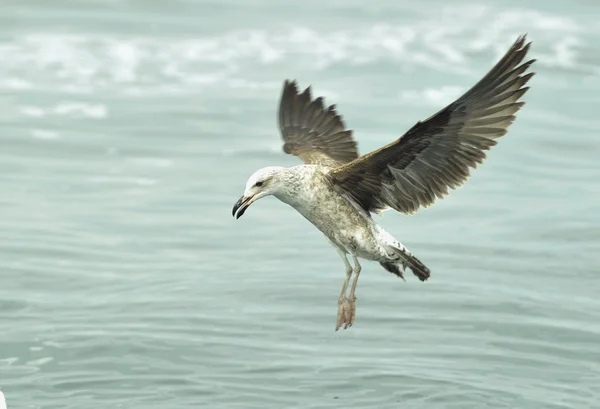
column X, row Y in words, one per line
column 128, row 131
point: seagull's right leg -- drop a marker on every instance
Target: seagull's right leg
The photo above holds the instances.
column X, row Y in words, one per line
column 343, row 315
column 352, row 298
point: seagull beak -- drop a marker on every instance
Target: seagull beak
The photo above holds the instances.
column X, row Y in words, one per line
column 241, row 205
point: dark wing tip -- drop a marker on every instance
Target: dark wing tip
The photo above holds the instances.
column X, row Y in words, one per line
column 290, row 87
column 520, row 41
column 306, row 94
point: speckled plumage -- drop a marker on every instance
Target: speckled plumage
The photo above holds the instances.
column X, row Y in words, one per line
column 337, row 190
column 309, row 190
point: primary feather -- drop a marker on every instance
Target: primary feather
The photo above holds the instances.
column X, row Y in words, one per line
column 438, row 153
column 311, row 132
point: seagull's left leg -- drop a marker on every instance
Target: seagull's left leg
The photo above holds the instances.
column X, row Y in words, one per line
column 352, row 298
column 343, row 315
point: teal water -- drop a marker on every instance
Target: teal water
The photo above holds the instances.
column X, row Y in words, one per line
column 128, row 130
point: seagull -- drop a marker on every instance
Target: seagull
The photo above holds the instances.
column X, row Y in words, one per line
column 337, row 190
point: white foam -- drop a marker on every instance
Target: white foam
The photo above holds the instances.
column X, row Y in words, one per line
column 125, row 180
column 17, row 84
column 74, row 108
column 155, row 162
column 440, row 40
column 88, row 110
column 128, row 56
column 259, row 149
column 2, row 401
column 32, row 111
column 44, row 134
column 254, row 85
column 564, row 54
column 432, row 96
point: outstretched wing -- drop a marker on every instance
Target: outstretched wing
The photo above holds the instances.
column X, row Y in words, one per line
column 437, row 154
column 314, row 134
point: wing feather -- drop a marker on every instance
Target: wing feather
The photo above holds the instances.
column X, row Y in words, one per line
column 314, row 134
column 438, row 154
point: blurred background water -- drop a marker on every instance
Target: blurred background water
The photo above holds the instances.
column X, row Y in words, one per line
column 128, row 130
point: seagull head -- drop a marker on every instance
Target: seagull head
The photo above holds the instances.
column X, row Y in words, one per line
column 263, row 182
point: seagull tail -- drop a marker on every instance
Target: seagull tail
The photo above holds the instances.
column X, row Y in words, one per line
column 393, row 268
column 403, row 259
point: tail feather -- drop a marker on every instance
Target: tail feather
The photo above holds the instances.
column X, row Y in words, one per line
column 406, row 259
column 419, row 269
column 393, row 268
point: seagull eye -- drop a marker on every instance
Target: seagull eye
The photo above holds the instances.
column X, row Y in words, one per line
column 259, row 184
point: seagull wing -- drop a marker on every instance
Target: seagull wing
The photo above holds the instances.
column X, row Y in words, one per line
column 437, row 154
column 314, row 134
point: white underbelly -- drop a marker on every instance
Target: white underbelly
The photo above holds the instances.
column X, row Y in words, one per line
column 343, row 225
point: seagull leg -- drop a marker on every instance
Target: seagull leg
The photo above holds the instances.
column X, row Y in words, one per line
column 343, row 315
column 352, row 298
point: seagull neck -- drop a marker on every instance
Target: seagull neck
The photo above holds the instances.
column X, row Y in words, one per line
column 297, row 186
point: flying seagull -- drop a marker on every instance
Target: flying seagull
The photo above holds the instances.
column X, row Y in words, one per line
column 337, row 190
